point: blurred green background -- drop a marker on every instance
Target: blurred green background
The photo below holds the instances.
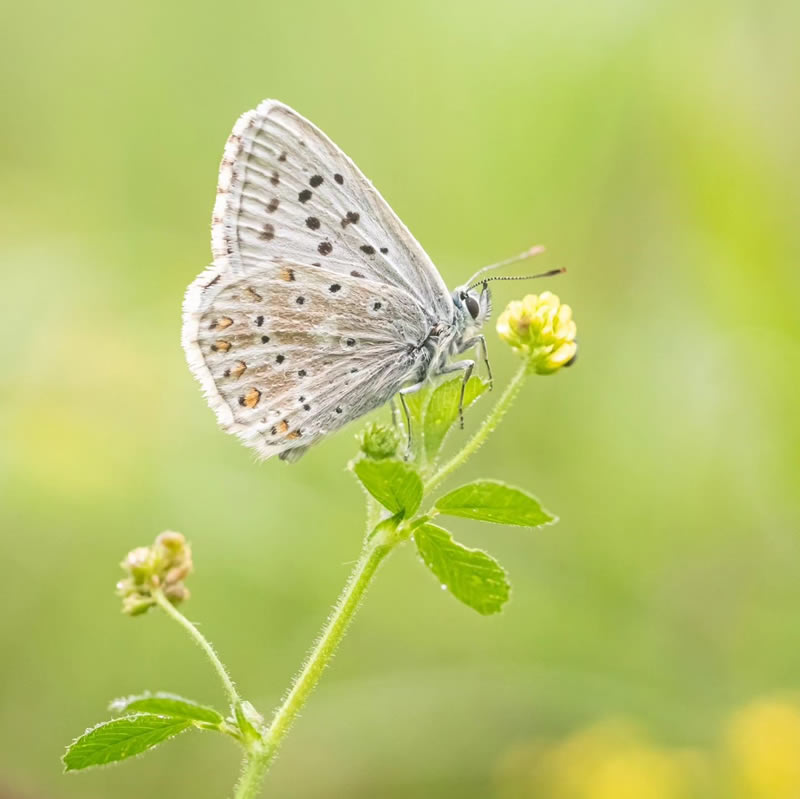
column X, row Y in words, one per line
column 653, row 147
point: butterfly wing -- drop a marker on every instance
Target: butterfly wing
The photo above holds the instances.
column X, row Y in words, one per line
column 288, row 352
column 287, row 191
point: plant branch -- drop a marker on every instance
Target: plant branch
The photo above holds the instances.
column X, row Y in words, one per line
column 261, row 757
column 487, row 427
column 203, row 643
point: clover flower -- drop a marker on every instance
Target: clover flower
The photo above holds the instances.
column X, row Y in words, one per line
column 540, row 329
column 162, row 566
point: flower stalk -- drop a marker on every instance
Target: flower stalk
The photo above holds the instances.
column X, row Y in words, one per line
column 204, row 644
column 259, row 759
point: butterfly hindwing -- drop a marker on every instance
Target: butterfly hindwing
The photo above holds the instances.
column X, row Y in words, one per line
column 292, row 352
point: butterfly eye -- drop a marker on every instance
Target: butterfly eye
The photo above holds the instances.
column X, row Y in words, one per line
column 472, row 306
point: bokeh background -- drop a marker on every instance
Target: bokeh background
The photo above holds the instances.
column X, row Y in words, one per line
column 651, row 645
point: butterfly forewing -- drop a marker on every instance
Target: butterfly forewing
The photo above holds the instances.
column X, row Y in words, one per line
column 287, row 190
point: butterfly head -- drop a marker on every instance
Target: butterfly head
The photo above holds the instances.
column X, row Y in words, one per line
column 473, row 308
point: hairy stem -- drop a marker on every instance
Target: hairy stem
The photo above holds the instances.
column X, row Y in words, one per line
column 203, row 643
column 261, row 756
column 482, row 433
column 373, row 514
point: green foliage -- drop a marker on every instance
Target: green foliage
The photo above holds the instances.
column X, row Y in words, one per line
column 111, row 741
column 493, row 501
column 470, row 575
column 441, row 411
column 416, row 404
column 164, row 704
column 386, row 527
column 396, row 485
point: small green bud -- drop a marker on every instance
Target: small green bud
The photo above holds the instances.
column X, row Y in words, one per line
column 541, row 330
column 379, row 442
column 164, row 565
column 135, row 605
column 171, row 541
column 138, row 563
column 176, row 593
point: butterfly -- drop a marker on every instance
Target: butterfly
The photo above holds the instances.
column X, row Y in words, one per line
column 320, row 305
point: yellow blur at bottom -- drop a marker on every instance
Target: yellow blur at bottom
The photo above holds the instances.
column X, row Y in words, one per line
column 756, row 755
column 763, row 747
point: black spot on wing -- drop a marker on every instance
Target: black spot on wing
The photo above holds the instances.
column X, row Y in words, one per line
column 350, row 218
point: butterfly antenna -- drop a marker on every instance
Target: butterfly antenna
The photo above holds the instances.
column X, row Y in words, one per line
column 549, row 273
column 529, row 253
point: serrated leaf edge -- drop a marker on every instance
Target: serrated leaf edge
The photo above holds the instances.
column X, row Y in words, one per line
column 553, row 518
column 120, row 705
column 478, row 550
column 88, row 730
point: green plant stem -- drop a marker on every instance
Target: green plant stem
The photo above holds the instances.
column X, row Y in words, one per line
column 373, row 514
column 482, row 433
column 203, row 643
column 259, row 759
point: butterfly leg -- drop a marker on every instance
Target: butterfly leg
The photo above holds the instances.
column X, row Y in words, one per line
column 479, row 342
column 460, row 366
column 402, row 394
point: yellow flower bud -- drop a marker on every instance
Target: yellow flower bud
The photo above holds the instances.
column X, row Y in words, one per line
column 541, row 330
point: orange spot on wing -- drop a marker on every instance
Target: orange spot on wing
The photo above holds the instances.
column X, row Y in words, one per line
column 238, row 369
column 252, row 397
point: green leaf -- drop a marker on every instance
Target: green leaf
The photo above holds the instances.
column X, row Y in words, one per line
column 442, row 410
column 396, row 485
column 416, row 404
column 164, row 704
column 120, row 739
column 492, row 501
column 468, row 574
column 386, row 527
